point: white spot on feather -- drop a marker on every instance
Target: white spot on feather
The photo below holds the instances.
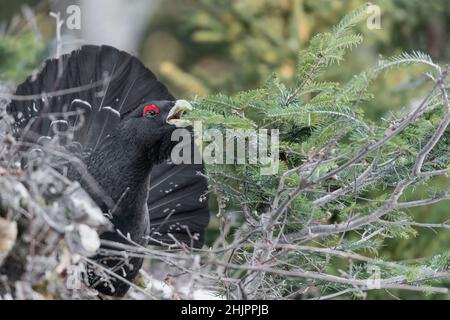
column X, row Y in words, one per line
column 114, row 111
column 87, row 104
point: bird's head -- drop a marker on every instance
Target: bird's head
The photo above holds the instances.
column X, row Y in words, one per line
column 151, row 125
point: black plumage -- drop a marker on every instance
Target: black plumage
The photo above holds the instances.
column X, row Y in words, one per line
column 92, row 102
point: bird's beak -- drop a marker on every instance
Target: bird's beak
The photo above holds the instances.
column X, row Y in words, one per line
column 174, row 116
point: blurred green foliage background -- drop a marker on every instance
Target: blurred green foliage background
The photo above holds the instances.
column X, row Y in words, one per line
column 201, row 46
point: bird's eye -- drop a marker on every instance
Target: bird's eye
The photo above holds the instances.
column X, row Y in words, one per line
column 150, row 111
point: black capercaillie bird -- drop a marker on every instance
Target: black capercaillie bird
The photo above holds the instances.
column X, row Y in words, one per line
column 111, row 112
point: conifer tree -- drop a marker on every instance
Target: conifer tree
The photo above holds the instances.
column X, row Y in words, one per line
column 344, row 185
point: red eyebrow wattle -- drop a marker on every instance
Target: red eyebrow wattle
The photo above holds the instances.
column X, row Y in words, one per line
column 151, row 108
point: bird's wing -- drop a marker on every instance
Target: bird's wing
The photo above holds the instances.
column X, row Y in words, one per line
column 178, row 201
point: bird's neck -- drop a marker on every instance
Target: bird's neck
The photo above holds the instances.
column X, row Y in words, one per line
column 122, row 171
column 121, row 168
